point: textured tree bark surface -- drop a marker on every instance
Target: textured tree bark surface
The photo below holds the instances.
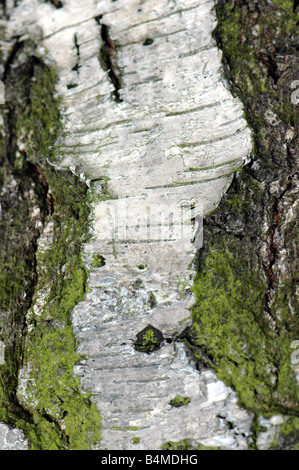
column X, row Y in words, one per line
column 152, row 134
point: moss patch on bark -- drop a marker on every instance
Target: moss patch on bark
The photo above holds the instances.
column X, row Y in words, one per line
column 245, row 318
column 51, row 408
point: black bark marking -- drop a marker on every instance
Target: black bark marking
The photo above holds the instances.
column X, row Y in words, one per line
column 108, row 59
column 77, row 47
column 56, row 3
column 148, row 42
column 148, row 340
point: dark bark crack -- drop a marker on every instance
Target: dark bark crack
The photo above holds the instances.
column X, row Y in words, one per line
column 77, row 47
column 18, row 45
column 274, row 249
column 56, row 3
column 108, row 59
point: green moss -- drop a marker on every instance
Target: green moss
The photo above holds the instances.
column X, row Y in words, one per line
column 98, row 261
column 235, row 203
column 51, row 350
column 228, row 325
column 44, row 434
column 286, row 5
column 55, row 392
column 18, row 236
column 237, row 50
column 290, row 426
column 186, row 444
column 59, row 414
column 136, row 440
column 224, row 325
column 248, row 74
column 148, row 340
column 202, row 447
column 237, row 330
column 180, row 445
column 179, row 401
column 240, row 199
column 41, row 121
column 288, row 436
column 126, row 428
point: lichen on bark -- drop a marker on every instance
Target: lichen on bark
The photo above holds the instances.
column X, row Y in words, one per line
column 245, row 318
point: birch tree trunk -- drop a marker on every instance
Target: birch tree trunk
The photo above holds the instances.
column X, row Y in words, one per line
column 120, row 134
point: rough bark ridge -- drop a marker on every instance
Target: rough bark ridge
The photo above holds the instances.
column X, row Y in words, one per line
column 247, row 283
